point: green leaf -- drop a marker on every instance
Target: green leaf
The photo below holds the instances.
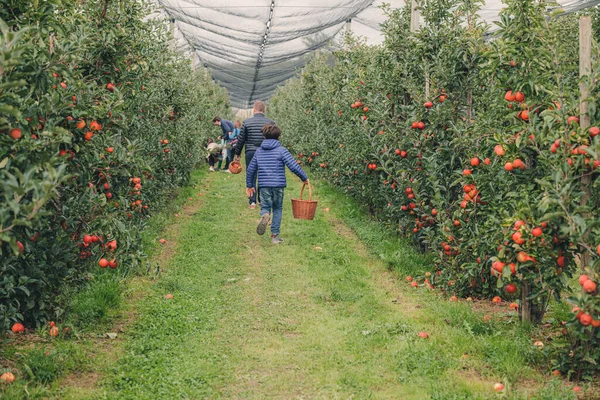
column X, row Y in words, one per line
column 25, row 290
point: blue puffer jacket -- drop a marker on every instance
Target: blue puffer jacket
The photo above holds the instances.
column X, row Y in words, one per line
column 270, row 161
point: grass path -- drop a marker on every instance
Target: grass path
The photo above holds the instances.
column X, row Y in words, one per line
column 317, row 317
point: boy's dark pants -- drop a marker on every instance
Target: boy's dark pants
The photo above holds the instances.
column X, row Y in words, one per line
column 272, row 203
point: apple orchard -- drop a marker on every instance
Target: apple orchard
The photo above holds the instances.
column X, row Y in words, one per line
column 477, row 148
column 481, row 146
column 99, row 122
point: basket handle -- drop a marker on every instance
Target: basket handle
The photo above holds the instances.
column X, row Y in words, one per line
column 309, row 191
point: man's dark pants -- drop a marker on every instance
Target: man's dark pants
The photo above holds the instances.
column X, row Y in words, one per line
column 249, row 157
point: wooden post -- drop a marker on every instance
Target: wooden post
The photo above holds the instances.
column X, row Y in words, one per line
column 585, row 68
column 414, row 16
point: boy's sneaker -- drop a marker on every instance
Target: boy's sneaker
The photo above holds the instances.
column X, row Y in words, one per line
column 252, row 206
column 262, row 225
column 276, row 239
column 211, row 169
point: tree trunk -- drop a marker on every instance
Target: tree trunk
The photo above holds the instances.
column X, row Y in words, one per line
column 525, row 303
column 104, row 9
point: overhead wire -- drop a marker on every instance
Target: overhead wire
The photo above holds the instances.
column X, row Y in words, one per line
column 261, row 53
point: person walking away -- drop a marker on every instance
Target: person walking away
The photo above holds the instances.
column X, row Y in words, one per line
column 233, row 138
column 269, row 164
column 227, row 129
column 251, row 137
column 213, row 153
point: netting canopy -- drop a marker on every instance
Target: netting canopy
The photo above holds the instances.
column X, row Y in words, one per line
column 253, row 46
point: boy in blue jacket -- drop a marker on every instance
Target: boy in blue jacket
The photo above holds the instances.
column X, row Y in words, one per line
column 269, row 162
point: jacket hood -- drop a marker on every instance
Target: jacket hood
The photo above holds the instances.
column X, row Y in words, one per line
column 270, row 144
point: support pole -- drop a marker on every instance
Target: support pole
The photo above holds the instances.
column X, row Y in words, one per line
column 414, row 16
column 414, row 27
column 585, row 68
column 172, row 30
column 347, row 34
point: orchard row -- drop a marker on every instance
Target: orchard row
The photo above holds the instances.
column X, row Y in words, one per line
column 99, row 122
column 474, row 149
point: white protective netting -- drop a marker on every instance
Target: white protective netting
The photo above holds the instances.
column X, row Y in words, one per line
column 253, row 46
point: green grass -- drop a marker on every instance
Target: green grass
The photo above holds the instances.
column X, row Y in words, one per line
column 41, row 368
column 324, row 315
column 321, row 316
column 90, row 314
column 395, row 251
column 46, row 365
column 95, row 303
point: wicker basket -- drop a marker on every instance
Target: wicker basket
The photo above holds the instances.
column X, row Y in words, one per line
column 235, row 167
column 304, row 209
